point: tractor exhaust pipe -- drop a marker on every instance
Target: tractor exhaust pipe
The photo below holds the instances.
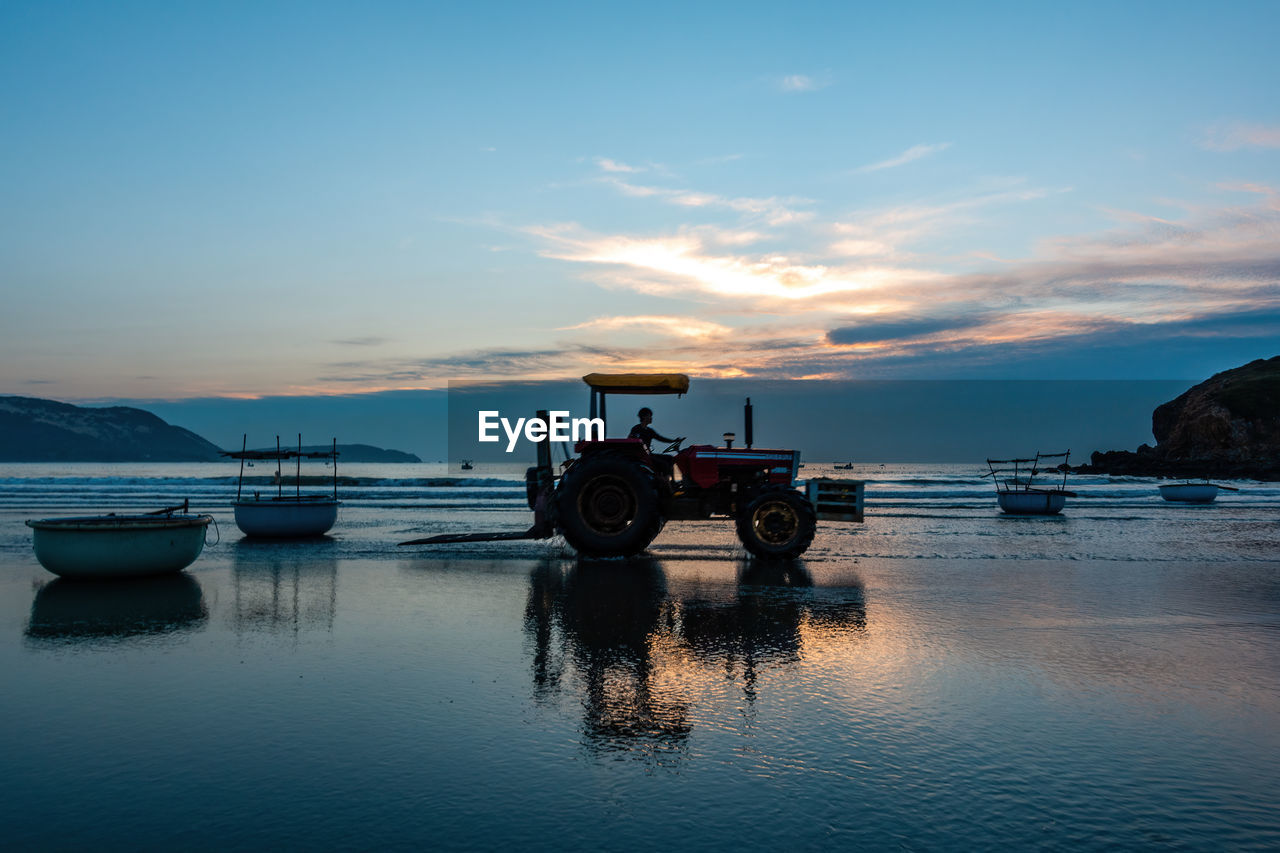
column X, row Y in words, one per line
column 748, row 425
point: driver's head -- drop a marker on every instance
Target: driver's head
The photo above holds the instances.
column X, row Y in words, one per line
column 646, row 415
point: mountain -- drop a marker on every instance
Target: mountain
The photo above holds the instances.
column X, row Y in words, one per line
column 356, row 453
column 1227, row 426
column 35, row 430
column 369, row 453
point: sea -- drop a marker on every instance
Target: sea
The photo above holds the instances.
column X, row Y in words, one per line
column 940, row 676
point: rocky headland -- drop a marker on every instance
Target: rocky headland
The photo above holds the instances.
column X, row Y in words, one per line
column 1227, row 427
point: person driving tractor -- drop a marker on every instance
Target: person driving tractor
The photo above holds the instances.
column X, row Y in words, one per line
column 646, row 433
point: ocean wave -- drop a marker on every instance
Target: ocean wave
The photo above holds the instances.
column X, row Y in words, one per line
column 259, row 481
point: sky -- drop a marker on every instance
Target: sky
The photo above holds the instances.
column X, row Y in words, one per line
column 273, row 200
column 963, row 421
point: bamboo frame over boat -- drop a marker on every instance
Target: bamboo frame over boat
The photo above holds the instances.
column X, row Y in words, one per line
column 1015, row 489
column 284, row 517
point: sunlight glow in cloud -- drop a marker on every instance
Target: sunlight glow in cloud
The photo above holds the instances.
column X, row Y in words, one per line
column 861, row 295
column 684, row 327
column 867, row 294
column 682, row 260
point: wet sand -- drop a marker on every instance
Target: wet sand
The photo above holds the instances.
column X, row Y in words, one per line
column 346, row 694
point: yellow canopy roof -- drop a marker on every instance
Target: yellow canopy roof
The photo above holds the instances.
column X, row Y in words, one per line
column 638, row 383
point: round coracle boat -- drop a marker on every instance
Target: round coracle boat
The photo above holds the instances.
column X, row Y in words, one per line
column 110, row 546
column 286, row 518
column 1190, row 493
column 1032, row 501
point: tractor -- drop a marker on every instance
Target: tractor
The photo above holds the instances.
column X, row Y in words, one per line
column 614, row 497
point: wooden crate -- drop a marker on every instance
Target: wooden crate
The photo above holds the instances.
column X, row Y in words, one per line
column 836, row 500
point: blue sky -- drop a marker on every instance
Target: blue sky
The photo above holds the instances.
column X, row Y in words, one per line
column 263, row 199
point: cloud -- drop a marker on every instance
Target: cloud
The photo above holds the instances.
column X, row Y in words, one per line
column 866, row 303
column 481, row 363
column 799, row 83
column 915, row 152
column 772, row 210
column 1272, row 194
column 557, row 362
column 680, row 264
column 671, row 325
column 904, row 327
column 608, row 165
column 863, row 294
column 367, row 341
column 888, row 232
column 718, row 160
column 1233, row 136
column 863, row 268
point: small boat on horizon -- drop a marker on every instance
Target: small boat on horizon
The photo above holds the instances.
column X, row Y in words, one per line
column 1192, row 493
column 282, row 516
column 120, row 546
column 466, row 465
column 1016, row 490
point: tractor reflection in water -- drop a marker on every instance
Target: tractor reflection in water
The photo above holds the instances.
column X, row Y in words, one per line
column 641, row 649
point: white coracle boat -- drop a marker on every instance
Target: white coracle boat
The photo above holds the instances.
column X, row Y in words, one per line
column 1016, row 490
column 1192, row 493
column 284, row 516
column 119, row 546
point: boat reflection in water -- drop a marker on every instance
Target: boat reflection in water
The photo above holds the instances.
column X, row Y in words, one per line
column 67, row 610
column 280, row 591
column 641, row 647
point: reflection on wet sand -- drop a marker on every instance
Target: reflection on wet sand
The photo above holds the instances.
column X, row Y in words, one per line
column 639, row 646
column 606, row 614
column 67, row 610
column 278, row 591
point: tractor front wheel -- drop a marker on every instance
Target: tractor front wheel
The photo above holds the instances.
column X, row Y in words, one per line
column 777, row 524
column 608, row 506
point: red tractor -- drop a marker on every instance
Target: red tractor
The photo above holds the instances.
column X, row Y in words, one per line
column 615, row 497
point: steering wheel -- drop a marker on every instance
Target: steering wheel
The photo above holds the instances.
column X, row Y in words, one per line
column 673, row 447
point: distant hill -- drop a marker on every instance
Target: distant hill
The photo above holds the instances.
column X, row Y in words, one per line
column 355, row 452
column 35, row 430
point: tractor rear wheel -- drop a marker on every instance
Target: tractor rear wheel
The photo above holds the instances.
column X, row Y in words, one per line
column 607, row 505
column 778, row 523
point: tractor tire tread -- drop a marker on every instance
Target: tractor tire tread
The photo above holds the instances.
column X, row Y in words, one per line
column 648, row 522
column 808, row 525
